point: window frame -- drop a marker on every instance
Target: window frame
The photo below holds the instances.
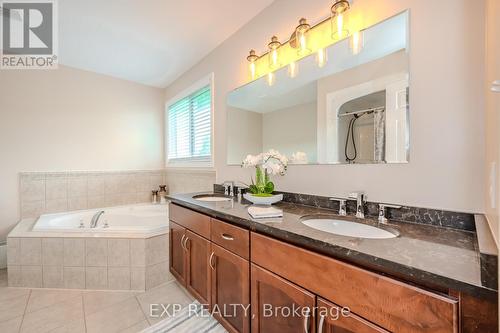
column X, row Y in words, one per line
column 191, row 162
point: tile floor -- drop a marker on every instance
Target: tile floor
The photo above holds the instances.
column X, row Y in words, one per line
column 57, row 310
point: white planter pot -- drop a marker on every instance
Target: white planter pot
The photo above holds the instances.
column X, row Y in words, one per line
column 263, row 200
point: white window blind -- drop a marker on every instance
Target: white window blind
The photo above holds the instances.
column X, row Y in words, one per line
column 190, row 128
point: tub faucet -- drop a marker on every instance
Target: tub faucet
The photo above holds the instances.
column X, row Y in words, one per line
column 360, row 198
column 95, row 219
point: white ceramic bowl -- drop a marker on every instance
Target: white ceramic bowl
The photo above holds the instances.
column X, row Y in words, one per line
column 263, row 200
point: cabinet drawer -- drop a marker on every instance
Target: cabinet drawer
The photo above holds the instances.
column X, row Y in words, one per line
column 396, row 306
column 331, row 318
column 196, row 222
column 234, row 239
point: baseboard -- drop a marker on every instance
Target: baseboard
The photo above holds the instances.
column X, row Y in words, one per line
column 3, row 255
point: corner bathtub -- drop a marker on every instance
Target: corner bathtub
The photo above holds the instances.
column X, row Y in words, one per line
column 143, row 219
column 53, row 251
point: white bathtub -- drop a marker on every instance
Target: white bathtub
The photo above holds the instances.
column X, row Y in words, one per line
column 137, row 219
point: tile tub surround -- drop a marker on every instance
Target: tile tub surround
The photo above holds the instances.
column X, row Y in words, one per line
column 88, row 263
column 189, row 180
column 53, row 192
column 429, row 256
column 434, row 217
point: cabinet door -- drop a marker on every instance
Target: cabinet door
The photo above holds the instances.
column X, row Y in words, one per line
column 280, row 306
column 177, row 253
column 230, row 290
column 331, row 319
column 197, row 273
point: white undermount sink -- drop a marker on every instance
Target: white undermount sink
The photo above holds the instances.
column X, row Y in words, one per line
column 348, row 228
column 212, row 198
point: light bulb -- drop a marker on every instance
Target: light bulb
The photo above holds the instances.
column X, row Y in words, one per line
column 356, row 42
column 252, row 70
column 321, row 57
column 293, row 69
column 339, row 19
column 274, row 48
column 274, row 57
column 340, row 25
column 271, row 79
column 252, row 57
column 301, row 38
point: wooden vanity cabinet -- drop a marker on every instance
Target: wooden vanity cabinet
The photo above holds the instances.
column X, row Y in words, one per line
column 197, row 268
column 273, row 302
column 189, row 251
column 177, row 254
column 391, row 304
column 331, row 318
column 221, row 264
column 230, row 277
column 210, row 258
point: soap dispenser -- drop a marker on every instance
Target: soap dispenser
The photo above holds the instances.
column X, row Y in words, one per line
column 162, row 194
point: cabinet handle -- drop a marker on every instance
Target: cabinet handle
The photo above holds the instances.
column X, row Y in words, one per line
column 186, row 243
column 212, row 266
column 182, row 242
column 227, row 237
column 321, row 323
column 306, row 321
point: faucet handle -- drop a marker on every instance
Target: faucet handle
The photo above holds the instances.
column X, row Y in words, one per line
column 228, row 188
column 342, row 205
column 381, row 211
column 357, row 195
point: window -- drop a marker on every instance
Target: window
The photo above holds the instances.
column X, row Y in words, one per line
column 189, row 119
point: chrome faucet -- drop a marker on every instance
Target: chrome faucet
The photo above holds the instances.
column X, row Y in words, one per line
column 360, row 198
column 95, row 219
column 228, row 188
column 342, row 205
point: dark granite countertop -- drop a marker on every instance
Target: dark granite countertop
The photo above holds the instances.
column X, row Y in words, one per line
column 432, row 257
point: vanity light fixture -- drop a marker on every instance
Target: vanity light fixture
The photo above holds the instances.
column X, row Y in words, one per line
column 321, row 57
column 274, row 48
column 339, row 19
column 306, row 39
column 252, row 57
column 356, row 42
column 293, row 69
column 301, row 38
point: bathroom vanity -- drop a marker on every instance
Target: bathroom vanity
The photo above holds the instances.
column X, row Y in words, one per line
column 424, row 280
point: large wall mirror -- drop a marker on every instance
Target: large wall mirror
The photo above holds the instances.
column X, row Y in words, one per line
column 353, row 109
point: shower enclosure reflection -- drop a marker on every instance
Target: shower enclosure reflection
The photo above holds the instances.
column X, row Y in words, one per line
column 353, row 110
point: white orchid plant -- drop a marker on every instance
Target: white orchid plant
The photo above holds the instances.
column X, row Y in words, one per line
column 266, row 164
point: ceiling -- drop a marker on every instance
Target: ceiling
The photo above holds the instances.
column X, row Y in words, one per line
column 151, row 42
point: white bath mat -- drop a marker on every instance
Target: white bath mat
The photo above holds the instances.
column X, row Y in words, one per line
column 191, row 319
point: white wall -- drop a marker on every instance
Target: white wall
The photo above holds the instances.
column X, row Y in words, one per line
column 291, row 129
column 69, row 119
column 245, row 134
column 447, row 102
column 492, row 186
